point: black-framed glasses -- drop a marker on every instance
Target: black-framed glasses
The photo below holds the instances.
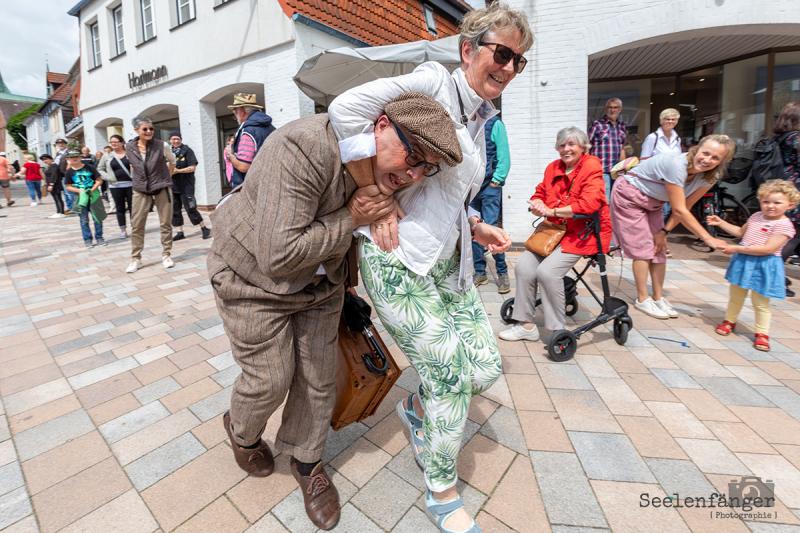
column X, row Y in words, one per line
column 148, row 129
column 503, row 54
column 414, row 158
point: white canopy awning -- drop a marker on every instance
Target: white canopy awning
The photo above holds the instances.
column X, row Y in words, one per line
column 329, row 74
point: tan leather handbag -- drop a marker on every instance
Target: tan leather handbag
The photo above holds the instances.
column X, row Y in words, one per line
column 545, row 238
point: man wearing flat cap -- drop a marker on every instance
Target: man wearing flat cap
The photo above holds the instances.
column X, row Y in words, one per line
column 278, row 268
column 254, row 127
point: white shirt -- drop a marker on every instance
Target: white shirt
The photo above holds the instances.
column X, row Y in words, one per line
column 657, row 143
column 436, row 217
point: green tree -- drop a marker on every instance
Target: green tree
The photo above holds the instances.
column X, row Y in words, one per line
column 17, row 129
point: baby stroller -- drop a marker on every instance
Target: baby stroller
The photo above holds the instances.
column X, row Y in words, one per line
column 564, row 343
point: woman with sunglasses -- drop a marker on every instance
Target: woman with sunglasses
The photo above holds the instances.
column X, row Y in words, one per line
column 418, row 272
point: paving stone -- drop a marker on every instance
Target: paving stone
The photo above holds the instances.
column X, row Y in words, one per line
column 712, row 457
column 10, row 477
column 415, row 521
column 36, row 396
column 561, row 479
column 156, row 390
column 619, row 397
column 88, row 363
column 102, row 373
column 267, row 524
column 385, row 487
column 776, row 468
column 222, row 361
column 292, row 514
column 783, row 397
column 610, row 457
column 125, row 514
column 517, row 501
column 675, row 379
column 409, row 380
column 338, row 441
column 747, row 351
column 212, row 406
column 133, row 317
column 680, row 478
column 52, row 434
column 188, row 329
column 560, row 376
column 154, row 436
column 583, row 411
column 360, row 461
column 504, row 427
column 226, row 377
column 14, row 506
column 81, row 342
column 621, row 504
column 405, row 466
column 734, row 391
column 130, row 423
column 160, row 463
column 755, row 376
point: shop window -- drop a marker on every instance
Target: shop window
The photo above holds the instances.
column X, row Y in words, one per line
column 119, row 35
column 430, row 20
column 94, row 31
column 148, row 20
column 186, row 10
column 786, row 87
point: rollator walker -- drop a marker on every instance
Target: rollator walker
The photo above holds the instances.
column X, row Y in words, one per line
column 564, row 343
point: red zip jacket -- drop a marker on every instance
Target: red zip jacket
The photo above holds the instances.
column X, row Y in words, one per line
column 587, row 196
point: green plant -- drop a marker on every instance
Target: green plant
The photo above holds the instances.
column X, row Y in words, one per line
column 16, row 128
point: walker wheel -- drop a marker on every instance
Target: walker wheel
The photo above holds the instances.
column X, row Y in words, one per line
column 621, row 329
column 572, row 308
column 506, row 310
column 563, row 346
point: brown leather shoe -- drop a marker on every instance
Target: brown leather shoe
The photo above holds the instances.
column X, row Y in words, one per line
column 321, row 497
column 256, row 461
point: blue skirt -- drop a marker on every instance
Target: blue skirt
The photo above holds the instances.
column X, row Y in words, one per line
column 763, row 274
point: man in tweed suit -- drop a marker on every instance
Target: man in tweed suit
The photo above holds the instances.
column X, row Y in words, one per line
column 278, row 270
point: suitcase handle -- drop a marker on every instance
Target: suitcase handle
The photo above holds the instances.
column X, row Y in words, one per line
column 377, row 353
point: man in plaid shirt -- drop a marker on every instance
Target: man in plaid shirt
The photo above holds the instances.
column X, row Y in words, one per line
column 607, row 135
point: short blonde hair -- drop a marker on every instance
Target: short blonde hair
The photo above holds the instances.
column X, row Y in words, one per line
column 720, row 170
column 783, row 187
column 669, row 112
column 29, row 157
column 497, row 17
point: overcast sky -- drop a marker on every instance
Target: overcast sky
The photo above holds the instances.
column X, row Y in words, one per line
column 31, row 29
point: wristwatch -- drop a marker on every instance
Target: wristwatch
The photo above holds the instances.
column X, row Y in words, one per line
column 666, row 231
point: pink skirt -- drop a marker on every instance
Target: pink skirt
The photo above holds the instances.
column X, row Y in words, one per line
column 636, row 218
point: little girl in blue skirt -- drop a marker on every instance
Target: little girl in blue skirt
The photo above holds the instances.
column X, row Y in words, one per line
column 756, row 264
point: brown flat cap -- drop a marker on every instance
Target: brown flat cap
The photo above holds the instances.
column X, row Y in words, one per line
column 428, row 122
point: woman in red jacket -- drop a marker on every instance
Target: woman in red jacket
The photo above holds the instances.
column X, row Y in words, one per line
column 572, row 185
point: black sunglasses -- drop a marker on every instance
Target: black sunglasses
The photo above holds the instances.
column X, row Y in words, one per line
column 415, row 159
column 503, row 54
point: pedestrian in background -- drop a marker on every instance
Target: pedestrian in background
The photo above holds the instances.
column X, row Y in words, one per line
column 489, row 201
column 60, row 160
column 606, row 136
column 6, row 175
column 87, row 158
column 85, row 181
column 33, row 174
column 228, row 164
column 183, row 187
column 54, row 185
column 254, row 127
column 153, row 163
column 664, row 140
column 115, row 168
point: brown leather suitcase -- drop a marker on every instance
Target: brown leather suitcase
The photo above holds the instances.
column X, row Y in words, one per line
column 362, row 378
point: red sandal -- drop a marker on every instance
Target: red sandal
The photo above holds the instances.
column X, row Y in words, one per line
column 726, row 328
column 762, row 342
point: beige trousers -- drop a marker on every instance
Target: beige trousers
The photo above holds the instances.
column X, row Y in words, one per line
column 141, row 206
column 284, row 343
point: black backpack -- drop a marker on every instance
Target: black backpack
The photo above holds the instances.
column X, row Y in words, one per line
column 767, row 161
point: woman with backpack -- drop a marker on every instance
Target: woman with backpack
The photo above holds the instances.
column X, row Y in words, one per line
column 787, row 136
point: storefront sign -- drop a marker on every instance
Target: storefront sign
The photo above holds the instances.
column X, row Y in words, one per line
column 150, row 77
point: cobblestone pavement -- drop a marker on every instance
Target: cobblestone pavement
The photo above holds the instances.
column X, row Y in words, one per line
column 113, row 388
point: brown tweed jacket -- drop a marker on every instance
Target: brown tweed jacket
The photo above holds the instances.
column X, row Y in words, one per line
column 289, row 216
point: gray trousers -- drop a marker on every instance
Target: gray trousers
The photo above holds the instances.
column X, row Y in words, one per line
column 284, row 343
column 533, row 271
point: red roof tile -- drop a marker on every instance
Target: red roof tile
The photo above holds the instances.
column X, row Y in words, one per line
column 61, row 93
column 55, row 77
column 376, row 22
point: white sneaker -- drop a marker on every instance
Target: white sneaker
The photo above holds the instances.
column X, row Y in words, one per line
column 38, row 202
column 34, row 204
column 134, row 266
column 123, row 235
column 518, row 333
column 665, row 306
column 168, row 262
column 650, row 308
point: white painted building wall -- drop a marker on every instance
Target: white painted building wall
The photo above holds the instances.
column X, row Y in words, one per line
column 551, row 93
column 219, row 51
column 37, row 141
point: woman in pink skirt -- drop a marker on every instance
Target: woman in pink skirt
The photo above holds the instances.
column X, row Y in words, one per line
column 638, row 221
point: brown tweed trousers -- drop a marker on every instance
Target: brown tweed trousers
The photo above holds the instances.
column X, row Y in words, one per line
column 270, row 237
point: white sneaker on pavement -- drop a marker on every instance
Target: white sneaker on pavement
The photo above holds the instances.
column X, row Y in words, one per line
column 34, row 204
column 650, row 308
column 518, row 333
column 168, row 262
column 134, row 266
column 665, row 306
